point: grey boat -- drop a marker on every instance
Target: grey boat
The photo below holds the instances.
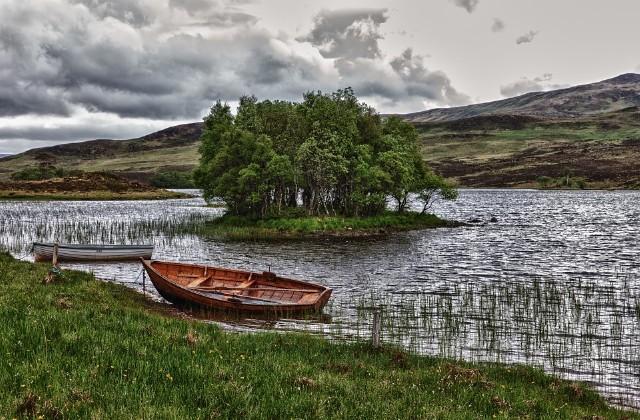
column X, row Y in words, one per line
column 68, row 252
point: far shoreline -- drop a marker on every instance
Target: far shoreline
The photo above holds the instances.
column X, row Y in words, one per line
column 462, row 188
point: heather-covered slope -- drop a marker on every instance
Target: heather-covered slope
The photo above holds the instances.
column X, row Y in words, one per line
column 578, row 101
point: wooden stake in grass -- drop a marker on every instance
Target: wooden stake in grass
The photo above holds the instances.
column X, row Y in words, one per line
column 55, row 255
column 51, row 275
column 377, row 328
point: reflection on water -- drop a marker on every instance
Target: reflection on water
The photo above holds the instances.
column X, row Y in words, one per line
column 553, row 283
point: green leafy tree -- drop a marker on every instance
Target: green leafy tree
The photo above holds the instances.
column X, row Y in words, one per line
column 332, row 151
column 432, row 185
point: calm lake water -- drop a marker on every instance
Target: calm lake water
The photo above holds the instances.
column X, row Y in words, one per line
column 553, row 283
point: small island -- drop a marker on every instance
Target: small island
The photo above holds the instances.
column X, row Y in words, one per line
column 325, row 166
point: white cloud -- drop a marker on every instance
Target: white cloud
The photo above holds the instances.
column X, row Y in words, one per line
column 526, row 85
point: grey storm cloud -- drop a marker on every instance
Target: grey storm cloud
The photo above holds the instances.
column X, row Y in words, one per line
column 159, row 61
column 498, row 25
column 526, row 38
column 191, row 6
column 526, row 85
column 213, row 13
column 74, row 132
column 96, row 58
column 347, row 33
column 469, row 5
column 351, row 38
column 30, row 99
column 408, row 81
column 420, row 82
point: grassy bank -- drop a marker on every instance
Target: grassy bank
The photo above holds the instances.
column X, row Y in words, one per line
column 90, row 195
column 83, row 348
column 234, row 227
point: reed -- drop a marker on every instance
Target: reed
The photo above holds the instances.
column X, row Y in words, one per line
column 572, row 329
column 23, row 223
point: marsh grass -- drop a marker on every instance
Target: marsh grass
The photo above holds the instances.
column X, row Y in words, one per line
column 578, row 329
column 22, row 223
column 84, row 348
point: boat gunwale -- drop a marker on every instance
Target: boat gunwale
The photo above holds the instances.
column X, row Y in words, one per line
column 276, row 306
column 94, row 246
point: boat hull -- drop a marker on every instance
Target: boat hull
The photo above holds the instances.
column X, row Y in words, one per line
column 70, row 253
column 185, row 297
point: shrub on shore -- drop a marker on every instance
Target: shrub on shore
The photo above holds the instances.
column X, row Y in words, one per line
column 172, row 179
column 42, row 172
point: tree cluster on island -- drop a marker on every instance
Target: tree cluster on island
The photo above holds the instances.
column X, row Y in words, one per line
column 329, row 154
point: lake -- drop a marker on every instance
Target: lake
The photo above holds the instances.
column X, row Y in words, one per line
column 553, row 283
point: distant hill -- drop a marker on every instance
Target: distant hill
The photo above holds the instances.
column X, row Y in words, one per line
column 583, row 136
column 586, row 135
column 579, row 101
column 172, row 149
column 597, row 151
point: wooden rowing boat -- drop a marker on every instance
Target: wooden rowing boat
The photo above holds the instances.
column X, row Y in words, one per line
column 234, row 290
column 66, row 252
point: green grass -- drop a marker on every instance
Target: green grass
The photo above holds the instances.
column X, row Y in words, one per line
column 234, row 227
column 80, row 348
column 159, row 160
column 584, row 133
column 439, row 143
column 90, row 195
column 565, row 182
column 181, row 158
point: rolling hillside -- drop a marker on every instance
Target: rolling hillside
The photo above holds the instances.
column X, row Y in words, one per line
column 168, row 150
column 578, row 101
column 600, row 151
column 584, row 136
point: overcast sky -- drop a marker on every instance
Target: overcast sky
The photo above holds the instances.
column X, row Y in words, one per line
column 82, row 69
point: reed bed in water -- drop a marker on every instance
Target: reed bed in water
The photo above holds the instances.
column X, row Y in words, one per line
column 580, row 329
column 20, row 226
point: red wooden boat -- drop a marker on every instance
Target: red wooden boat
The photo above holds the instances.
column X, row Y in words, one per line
column 234, row 290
